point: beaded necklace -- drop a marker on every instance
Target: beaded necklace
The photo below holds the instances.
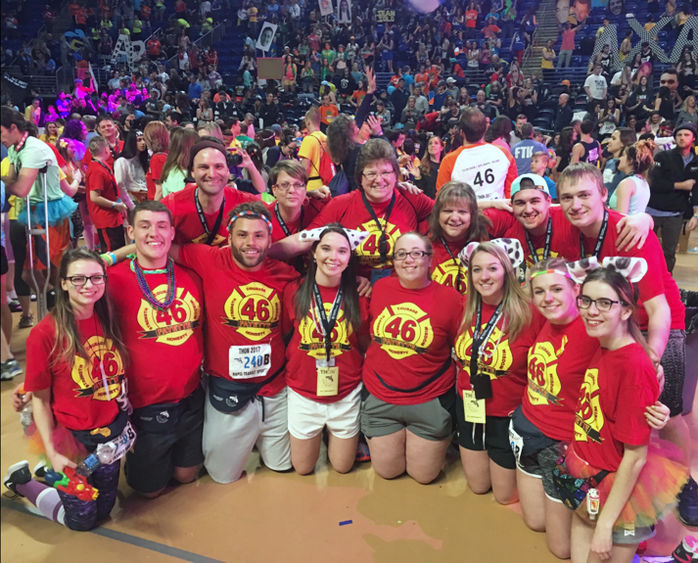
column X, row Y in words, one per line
column 143, row 284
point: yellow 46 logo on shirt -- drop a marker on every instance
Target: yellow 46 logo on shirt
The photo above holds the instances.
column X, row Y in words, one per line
column 494, row 356
column 588, row 420
column 254, row 310
column 88, row 374
column 450, row 275
column 543, row 381
column 173, row 326
column 312, row 340
column 369, row 250
column 403, row 330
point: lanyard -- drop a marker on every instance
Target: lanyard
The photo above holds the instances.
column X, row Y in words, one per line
column 327, row 324
column 383, row 239
column 481, row 383
column 282, row 223
column 456, row 262
column 548, row 238
column 599, row 240
column 200, row 212
column 111, row 176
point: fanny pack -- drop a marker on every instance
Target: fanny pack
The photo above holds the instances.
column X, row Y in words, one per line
column 92, row 438
column 163, row 417
column 572, row 491
column 228, row 396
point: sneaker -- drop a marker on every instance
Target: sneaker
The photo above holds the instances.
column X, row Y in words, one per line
column 15, row 306
column 686, row 551
column 688, row 503
column 10, row 370
column 26, row 321
column 17, row 474
column 40, row 470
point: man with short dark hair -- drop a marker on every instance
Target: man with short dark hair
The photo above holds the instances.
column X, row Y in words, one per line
column 673, row 192
column 159, row 307
column 524, row 149
column 587, row 149
column 487, row 168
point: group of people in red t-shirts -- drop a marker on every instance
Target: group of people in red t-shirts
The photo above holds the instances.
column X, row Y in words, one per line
column 401, row 320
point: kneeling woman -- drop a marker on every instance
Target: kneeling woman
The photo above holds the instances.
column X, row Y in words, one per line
column 75, row 369
column 408, row 373
column 611, row 437
column 497, row 330
column 323, row 315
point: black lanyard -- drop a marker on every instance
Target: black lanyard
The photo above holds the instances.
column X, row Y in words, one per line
column 548, row 238
column 111, row 176
column 599, row 240
column 327, row 324
column 383, row 239
column 282, row 223
column 202, row 218
column 456, row 262
column 481, row 382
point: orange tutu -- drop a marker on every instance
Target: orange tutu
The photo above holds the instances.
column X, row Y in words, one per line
column 654, row 494
column 63, row 442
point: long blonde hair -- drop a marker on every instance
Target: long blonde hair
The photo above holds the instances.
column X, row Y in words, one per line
column 516, row 310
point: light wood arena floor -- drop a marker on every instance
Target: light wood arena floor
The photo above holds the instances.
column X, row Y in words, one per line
column 268, row 517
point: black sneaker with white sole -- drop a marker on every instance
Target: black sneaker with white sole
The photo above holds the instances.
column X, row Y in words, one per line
column 17, row 474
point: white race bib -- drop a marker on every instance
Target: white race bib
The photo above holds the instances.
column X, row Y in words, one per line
column 247, row 362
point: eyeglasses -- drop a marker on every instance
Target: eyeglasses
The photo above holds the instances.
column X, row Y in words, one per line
column 79, row 281
column 374, row 175
column 602, row 304
column 286, row 186
column 414, row 254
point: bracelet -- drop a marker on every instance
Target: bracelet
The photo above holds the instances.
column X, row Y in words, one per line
column 109, row 258
column 113, row 204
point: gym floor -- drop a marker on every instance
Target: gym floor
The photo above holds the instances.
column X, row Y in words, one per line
column 267, row 516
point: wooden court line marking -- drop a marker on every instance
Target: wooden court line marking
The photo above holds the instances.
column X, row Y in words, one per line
column 127, row 538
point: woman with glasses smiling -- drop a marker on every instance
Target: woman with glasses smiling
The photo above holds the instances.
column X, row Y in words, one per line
column 635, row 485
column 378, row 208
column 408, row 374
column 75, row 370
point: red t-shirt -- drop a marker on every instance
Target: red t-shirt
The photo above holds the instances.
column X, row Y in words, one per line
column 100, row 179
column 114, row 153
column 412, row 332
column 502, row 359
column 154, row 174
column 243, row 310
column 311, row 208
column 349, row 210
column 188, row 227
column 557, row 361
column 618, row 386
column 165, row 347
column 78, row 398
column 447, row 269
column 308, row 345
column 658, row 280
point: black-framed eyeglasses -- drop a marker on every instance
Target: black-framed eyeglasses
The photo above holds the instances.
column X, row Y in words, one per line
column 80, row 280
column 602, row 303
column 414, row 254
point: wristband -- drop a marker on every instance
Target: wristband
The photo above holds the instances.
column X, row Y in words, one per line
column 109, row 258
column 113, row 204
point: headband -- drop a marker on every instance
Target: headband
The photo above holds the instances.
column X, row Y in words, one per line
column 355, row 237
column 633, row 269
column 551, row 271
column 249, row 215
column 511, row 246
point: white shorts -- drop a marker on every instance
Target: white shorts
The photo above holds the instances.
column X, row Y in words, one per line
column 228, row 438
column 306, row 418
